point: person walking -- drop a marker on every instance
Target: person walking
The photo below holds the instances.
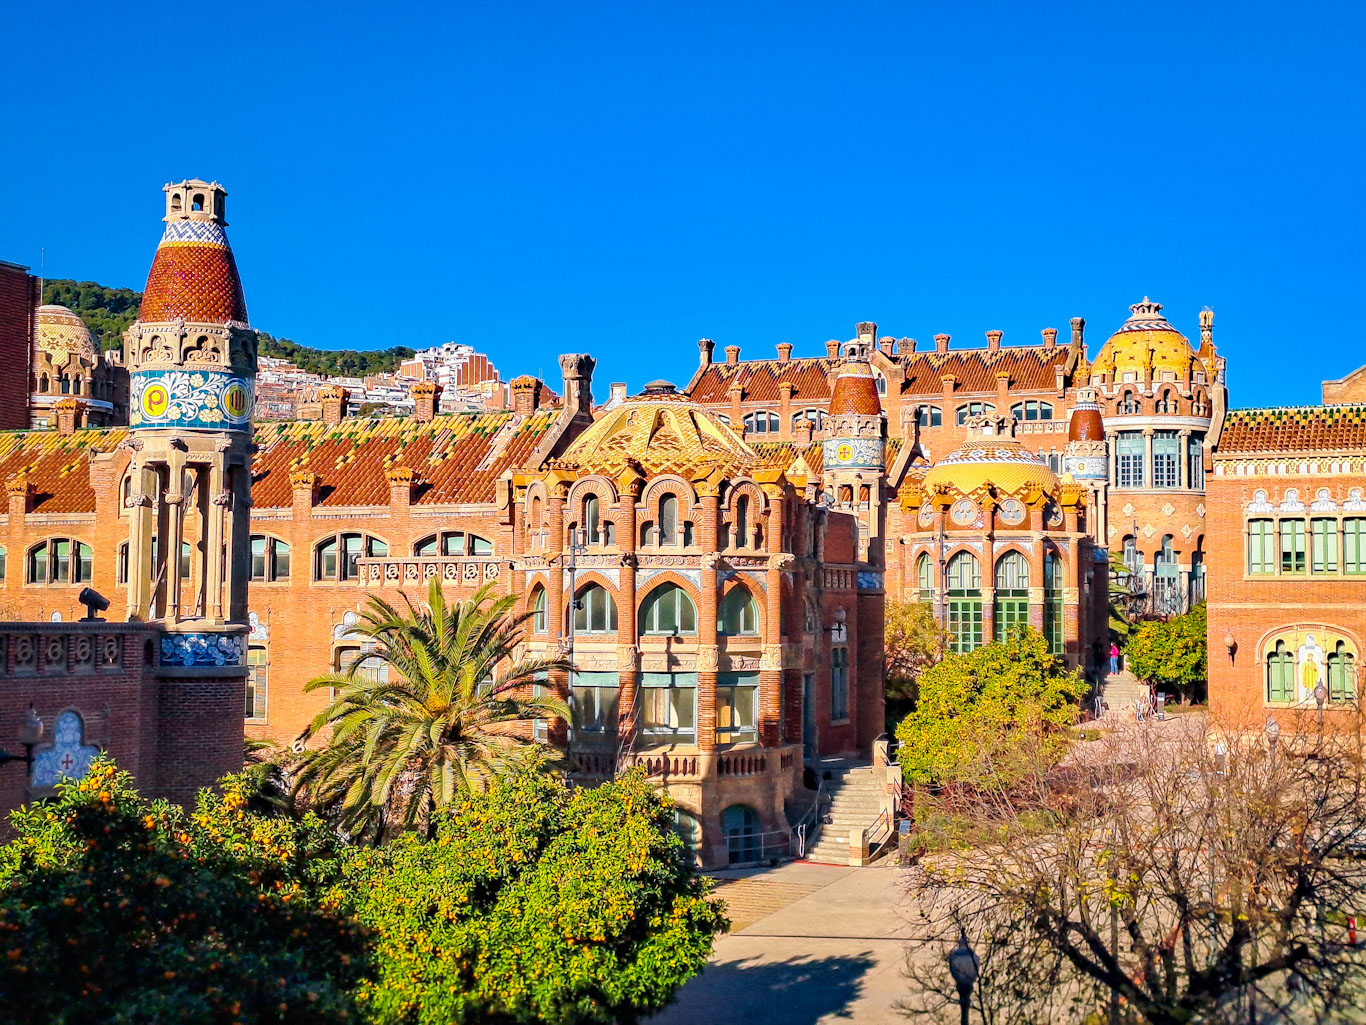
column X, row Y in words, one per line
column 1114, row 658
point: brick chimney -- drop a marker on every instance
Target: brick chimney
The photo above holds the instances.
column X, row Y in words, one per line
column 941, row 343
column 70, row 415
column 735, row 393
column 526, row 394
column 333, row 399
column 732, row 354
column 1050, row 338
column 785, row 390
column 704, row 350
column 427, row 396
column 887, row 345
column 577, row 368
column 867, row 335
column 20, row 490
column 401, row 480
column 1078, row 331
column 1002, row 391
column 994, row 341
column 802, row 431
column 304, row 485
column 784, row 351
column 832, row 349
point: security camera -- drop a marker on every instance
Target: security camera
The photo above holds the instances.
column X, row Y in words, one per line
column 94, row 602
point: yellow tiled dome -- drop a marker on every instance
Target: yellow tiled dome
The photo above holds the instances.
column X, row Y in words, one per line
column 991, row 460
column 1146, row 329
column 61, row 333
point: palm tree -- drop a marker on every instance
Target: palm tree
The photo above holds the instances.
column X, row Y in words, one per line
column 444, row 720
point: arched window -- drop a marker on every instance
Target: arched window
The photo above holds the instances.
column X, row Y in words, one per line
column 739, row 614
column 1128, row 403
column 689, row 830
column 1280, row 674
column 929, row 416
column 761, row 422
column 965, row 602
column 60, row 560
column 1032, row 410
column 668, row 520
column 881, row 383
column 43, row 383
column 1166, row 402
column 540, row 621
column 338, row 557
column 1011, row 608
column 742, row 522
column 591, row 525
column 1342, row 673
column 65, row 384
column 269, row 558
column 1052, row 602
column 76, row 385
column 595, row 612
column 971, row 409
column 924, row 575
column 740, row 825
column 198, row 202
column 668, row 610
column 816, row 416
column 449, row 543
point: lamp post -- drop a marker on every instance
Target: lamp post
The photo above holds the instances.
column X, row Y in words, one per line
column 964, row 966
column 1320, row 699
column 574, row 549
column 29, row 734
column 1273, row 734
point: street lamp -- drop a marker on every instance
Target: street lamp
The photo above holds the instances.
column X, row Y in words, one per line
column 29, row 734
column 964, row 966
column 1320, row 699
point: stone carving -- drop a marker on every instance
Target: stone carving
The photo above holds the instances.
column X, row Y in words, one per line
column 626, row 657
column 708, row 659
column 772, row 657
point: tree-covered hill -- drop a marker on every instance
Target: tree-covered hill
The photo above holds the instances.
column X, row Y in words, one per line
column 109, row 311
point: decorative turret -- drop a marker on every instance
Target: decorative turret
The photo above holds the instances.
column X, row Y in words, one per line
column 1086, row 458
column 854, row 445
column 192, row 362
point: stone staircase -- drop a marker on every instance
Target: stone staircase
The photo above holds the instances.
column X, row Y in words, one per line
column 856, row 797
column 1120, row 692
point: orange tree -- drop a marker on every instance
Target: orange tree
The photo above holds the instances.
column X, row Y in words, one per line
column 533, row 902
column 117, row 909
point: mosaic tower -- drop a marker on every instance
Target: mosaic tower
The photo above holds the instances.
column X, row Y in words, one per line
column 854, row 445
column 1086, row 458
column 192, row 362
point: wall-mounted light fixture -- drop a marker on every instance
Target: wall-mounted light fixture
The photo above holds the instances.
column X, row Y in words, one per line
column 1231, row 643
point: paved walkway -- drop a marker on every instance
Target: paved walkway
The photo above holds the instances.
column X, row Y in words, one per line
column 810, row 945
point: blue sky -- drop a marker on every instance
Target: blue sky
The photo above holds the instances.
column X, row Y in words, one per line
column 625, row 178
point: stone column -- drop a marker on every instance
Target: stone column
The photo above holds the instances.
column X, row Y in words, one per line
column 627, row 668
column 175, row 534
column 141, row 571
column 213, row 576
column 1148, row 477
column 1183, row 459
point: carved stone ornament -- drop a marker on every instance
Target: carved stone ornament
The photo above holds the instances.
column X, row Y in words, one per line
column 741, row 663
column 708, row 659
column 137, row 501
column 626, row 657
column 223, row 499
column 772, row 657
column 783, row 561
column 710, row 560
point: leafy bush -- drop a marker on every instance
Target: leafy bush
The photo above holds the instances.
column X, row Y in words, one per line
column 115, row 909
column 987, row 705
column 534, row 903
column 1170, row 655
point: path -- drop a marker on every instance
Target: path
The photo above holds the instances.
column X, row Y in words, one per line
column 810, row 945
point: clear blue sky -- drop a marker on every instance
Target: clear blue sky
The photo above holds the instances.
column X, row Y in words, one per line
column 625, row 178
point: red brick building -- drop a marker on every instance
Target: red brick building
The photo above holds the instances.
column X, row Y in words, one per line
column 19, row 299
column 1287, row 559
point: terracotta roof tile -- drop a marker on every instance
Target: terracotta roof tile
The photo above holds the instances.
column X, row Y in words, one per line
column 57, row 465
column 760, row 377
column 1293, row 429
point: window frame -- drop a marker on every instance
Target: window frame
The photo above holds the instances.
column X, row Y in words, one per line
column 344, row 570
column 70, row 566
column 676, row 686
column 737, row 605
column 271, row 557
column 729, row 687
column 257, row 707
column 590, row 609
column 649, row 620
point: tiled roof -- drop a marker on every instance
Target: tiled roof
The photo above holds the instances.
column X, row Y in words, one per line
column 454, row 458
column 193, row 277
column 1031, row 367
column 855, row 390
column 1293, row 429
column 760, row 378
column 56, row 465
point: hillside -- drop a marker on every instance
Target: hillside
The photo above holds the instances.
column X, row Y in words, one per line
column 109, row 311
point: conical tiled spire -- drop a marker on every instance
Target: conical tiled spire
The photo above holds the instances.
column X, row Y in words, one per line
column 194, row 276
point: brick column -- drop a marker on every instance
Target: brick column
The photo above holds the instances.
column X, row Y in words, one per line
column 988, row 580
column 627, row 670
column 708, row 657
column 771, row 664
column 785, row 390
column 557, row 680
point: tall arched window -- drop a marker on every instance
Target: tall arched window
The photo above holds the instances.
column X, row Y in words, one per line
column 924, row 575
column 929, row 416
column 965, row 602
column 739, row 614
column 1280, row 674
column 668, row 520
column 540, row 621
column 742, row 522
column 591, row 516
column 1342, row 673
column 668, row 610
column 1011, row 607
column 269, row 558
column 60, row 560
column 595, row 612
column 338, row 557
column 971, row 409
column 1052, row 602
column 1128, row 404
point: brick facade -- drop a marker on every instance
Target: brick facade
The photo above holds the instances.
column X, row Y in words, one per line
column 19, row 298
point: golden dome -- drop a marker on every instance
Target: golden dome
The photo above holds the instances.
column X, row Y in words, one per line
column 61, row 334
column 660, row 432
column 1146, row 329
column 991, row 459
